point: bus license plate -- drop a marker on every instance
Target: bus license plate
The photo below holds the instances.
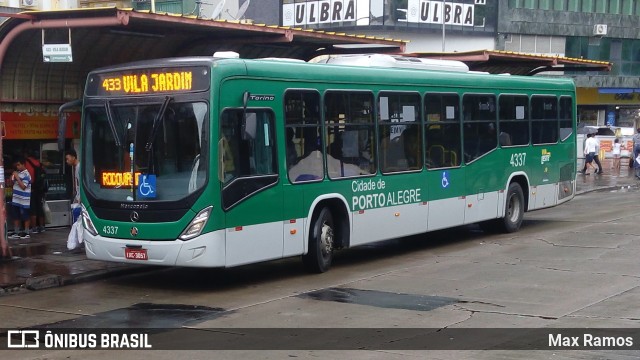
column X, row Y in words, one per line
column 135, row 254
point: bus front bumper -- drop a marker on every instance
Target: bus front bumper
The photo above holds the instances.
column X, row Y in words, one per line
column 206, row 250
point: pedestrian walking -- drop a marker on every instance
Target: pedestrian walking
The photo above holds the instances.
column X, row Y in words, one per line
column 589, row 154
column 596, row 158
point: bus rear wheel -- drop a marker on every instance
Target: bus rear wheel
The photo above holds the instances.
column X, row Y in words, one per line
column 513, row 213
column 514, row 209
column 321, row 240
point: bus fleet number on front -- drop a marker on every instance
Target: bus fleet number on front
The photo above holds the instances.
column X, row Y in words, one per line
column 518, row 159
column 110, row 230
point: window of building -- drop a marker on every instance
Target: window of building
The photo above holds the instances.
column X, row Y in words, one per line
column 544, row 4
column 400, row 140
column 614, row 7
column 601, row 6
column 350, row 133
column 560, row 5
column 587, row 6
column 573, row 5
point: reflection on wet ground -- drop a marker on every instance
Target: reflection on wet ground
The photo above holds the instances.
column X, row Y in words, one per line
column 382, row 299
column 143, row 315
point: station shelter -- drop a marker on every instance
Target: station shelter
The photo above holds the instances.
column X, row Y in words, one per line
column 45, row 57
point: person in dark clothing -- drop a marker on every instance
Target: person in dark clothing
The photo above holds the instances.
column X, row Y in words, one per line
column 36, row 210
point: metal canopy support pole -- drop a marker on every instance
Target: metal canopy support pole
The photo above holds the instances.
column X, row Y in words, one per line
column 444, row 3
column 121, row 19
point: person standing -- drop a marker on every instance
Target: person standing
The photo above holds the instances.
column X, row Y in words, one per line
column 616, row 151
column 71, row 158
column 596, row 158
column 589, row 153
column 38, row 189
column 21, row 200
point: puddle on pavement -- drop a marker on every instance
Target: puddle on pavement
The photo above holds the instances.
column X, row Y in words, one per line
column 380, row 299
column 143, row 315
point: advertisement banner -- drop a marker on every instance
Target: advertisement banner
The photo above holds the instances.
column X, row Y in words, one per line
column 26, row 126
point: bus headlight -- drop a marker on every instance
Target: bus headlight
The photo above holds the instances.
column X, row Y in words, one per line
column 197, row 224
column 86, row 221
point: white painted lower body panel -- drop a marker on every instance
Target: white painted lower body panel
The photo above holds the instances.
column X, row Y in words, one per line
column 389, row 222
column 445, row 213
column 543, row 196
column 207, row 250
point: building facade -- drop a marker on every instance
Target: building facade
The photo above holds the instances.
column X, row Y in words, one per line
column 603, row 30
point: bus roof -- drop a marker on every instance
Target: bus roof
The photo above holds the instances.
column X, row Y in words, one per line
column 332, row 72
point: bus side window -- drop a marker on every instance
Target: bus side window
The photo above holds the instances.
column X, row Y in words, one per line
column 303, row 147
column 399, row 116
column 442, row 130
column 349, row 133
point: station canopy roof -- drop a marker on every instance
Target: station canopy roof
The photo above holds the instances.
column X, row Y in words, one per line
column 106, row 36
column 515, row 63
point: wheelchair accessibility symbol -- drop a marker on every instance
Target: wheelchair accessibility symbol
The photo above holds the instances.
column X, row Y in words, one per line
column 445, row 180
column 146, row 186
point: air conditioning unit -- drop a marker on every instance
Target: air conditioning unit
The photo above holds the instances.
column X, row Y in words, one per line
column 599, row 30
column 29, row 3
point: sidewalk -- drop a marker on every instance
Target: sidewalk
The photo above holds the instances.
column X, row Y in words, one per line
column 44, row 261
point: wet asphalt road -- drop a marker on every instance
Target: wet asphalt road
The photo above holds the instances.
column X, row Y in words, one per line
column 573, row 266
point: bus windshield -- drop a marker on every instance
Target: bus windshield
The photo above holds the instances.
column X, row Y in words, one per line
column 145, row 152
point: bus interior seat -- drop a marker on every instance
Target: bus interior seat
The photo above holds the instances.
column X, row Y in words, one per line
column 436, row 154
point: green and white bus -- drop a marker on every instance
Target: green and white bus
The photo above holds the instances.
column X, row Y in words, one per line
column 219, row 162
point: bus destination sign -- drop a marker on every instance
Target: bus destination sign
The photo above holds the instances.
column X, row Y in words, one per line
column 148, row 81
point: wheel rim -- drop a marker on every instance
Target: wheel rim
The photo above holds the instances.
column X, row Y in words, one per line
column 326, row 240
column 513, row 208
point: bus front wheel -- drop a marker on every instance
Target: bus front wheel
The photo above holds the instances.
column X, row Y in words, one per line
column 318, row 258
column 514, row 209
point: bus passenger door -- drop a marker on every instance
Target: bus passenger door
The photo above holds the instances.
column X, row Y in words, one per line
column 251, row 199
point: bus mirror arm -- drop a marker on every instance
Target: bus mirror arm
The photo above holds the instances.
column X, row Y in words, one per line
column 245, row 100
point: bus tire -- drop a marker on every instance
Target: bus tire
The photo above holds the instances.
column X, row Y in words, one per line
column 514, row 209
column 318, row 258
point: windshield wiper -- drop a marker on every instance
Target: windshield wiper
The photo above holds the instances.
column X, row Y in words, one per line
column 156, row 123
column 154, row 130
column 112, row 124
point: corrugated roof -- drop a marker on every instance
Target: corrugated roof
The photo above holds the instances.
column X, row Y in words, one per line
column 498, row 62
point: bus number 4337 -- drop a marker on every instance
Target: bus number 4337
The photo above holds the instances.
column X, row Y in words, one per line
column 518, row 159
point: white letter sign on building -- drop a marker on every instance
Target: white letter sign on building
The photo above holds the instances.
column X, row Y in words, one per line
column 324, row 12
column 431, row 12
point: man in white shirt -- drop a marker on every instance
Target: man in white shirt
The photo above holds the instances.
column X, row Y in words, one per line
column 596, row 159
column 590, row 147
